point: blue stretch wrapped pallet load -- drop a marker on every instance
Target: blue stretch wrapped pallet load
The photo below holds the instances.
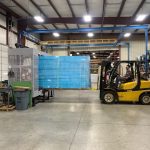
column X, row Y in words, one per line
column 64, row 72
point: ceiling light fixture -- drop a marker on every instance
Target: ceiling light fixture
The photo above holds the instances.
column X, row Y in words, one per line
column 127, row 34
column 55, row 34
column 93, row 53
column 94, row 56
column 90, row 34
column 140, row 18
column 87, row 18
column 78, row 53
column 38, row 18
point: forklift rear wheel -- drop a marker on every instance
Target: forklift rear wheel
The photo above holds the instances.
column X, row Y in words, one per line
column 109, row 97
column 145, row 99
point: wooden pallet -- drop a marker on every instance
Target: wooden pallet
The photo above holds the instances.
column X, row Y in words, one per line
column 7, row 108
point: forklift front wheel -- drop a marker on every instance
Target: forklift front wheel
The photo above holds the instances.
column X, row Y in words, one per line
column 109, row 97
column 145, row 99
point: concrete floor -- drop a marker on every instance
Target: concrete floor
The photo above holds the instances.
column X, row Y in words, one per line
column 75, row 120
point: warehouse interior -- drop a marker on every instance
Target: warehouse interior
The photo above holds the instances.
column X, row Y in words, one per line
column 74, row 75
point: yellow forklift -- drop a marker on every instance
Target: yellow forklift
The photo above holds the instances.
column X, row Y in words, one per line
column 135, row 89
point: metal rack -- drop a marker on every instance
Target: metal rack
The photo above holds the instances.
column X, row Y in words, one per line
column 90, row 41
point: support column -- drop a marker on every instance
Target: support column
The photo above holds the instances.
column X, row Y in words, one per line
column 21, row 27
column 146, row 49
column 8, row 27
column 128, row 45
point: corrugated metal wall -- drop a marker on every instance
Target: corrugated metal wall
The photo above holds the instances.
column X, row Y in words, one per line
column 137, row 48
column 32, row 45
column 3, row 51
column 60, row 52
column 4, row 47
column 3, row 62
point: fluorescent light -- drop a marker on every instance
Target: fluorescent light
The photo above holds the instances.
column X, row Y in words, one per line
column 93, row 53
column 127, row 34
column 90, row 34
column 141, row 17
column 39, row 18
column 78, row 53
column 56, row 34
column 87, row 18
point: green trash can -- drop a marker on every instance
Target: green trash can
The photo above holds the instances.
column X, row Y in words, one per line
column 22, row 99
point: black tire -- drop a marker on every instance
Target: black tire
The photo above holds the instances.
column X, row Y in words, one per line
column 145, row 99
column 108, row 97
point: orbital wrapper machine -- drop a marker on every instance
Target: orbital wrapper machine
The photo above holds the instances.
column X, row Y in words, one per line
column 24, row 63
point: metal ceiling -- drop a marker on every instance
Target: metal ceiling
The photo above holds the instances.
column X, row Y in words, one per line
column 103, row 9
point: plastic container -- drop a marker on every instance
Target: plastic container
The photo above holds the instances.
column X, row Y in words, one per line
column 22, row 99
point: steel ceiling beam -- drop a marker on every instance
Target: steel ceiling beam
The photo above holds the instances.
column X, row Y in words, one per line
column 87, row 9
column 4, row 7
column 79, row 20
column 103, row 12
column 55, row 9
column 37, row 7
column 71, row 9
column 120, row 10
column 41, row 11
column 27, row 12
column 139, row 7
column 87, row 6
column 22, row 8
column 85, row 30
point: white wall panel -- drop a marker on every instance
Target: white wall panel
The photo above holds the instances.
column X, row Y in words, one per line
column 137, row 48
column 32, row 45
column 2, row 20
column 124, row 53
column 12, row 39
column 2, row 36
column 62, row 52
column 3, row 62
column 14, row 28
